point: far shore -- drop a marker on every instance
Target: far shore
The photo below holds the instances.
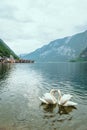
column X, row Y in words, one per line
column 9, row 60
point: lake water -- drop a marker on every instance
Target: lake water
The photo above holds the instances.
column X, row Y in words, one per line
column 22, row 84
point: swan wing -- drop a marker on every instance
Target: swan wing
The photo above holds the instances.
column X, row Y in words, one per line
column 70, row 103
column 65, row 98
column 48, row 98
column 43, row 100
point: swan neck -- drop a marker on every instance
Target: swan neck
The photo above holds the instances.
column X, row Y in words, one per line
column 53, row 98
column 59, row 95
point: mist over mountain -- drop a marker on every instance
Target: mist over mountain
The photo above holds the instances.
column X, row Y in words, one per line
column 63, row 49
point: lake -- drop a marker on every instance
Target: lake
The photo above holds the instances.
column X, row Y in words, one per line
column 22, row 84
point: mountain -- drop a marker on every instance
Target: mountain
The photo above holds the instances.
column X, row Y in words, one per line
column 63, row 49
column 6, row 51
column 83, row 55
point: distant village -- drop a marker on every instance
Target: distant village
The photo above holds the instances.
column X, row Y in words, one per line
column 11, row 59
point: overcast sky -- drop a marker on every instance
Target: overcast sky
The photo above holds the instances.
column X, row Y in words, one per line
column 26, row 25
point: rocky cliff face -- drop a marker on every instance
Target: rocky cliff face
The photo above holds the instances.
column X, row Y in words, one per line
column 63, row 49
column 83, row 55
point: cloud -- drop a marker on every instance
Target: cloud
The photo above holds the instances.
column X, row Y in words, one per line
column 29, row 24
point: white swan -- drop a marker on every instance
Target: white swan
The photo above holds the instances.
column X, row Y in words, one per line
column 64, row 100
column 49, row 98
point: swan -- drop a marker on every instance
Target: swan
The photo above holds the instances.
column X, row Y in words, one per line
column 49, row 98
column 64, row 100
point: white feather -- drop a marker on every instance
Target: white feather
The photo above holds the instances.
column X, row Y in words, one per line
column 44, row 101
column 64, row 100
column 70, row 103
column 48, row 98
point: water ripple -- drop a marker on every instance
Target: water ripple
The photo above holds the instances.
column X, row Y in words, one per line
column 22, row 84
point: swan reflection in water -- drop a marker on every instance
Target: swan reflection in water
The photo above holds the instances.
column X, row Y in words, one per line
column 56, row 113
column 65, row 109
column 60, row 109
column 48, row 107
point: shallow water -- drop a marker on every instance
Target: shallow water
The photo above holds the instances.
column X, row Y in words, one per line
column 22, row 84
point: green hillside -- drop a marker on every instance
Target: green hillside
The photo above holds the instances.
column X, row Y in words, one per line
column 6, row 51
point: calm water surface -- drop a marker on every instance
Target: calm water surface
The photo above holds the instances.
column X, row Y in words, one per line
column 22, row 84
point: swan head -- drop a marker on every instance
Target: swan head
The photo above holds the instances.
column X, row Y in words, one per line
column 53, row 91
